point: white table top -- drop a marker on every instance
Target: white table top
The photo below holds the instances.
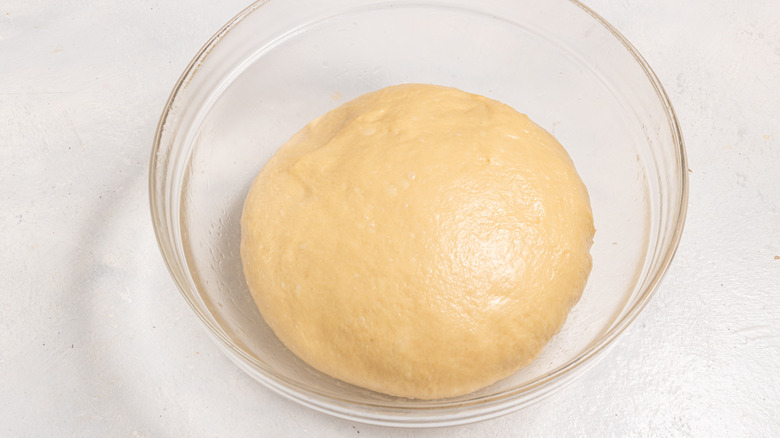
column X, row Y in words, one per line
column 95, row 339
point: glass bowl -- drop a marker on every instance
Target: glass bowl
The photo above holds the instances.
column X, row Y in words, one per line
column 281, row 63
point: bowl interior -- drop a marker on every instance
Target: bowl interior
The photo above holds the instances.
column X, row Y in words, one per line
column 281, row 64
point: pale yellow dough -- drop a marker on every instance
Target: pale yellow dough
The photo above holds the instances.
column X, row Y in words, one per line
column 418, row 241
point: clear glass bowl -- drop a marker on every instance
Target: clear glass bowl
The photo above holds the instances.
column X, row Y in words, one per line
column 281, row 63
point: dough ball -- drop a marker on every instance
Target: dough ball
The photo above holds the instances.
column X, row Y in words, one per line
column 419, row 241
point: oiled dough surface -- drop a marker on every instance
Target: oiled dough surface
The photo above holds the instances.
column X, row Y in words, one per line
column 418, row 241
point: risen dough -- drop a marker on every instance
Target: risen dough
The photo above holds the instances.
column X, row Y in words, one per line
column 418, row 241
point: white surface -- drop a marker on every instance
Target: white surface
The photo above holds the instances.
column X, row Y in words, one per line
column 97, row 341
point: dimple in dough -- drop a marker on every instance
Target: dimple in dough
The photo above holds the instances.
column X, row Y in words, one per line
column 419, row 241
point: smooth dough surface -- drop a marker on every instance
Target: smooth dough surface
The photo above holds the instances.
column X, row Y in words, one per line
column 419, row 241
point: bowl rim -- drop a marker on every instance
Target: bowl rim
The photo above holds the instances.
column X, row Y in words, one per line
column 498, row 404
